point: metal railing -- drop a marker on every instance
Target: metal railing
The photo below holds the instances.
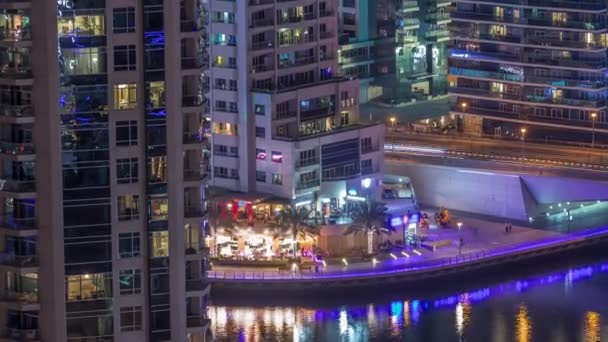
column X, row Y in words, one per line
column 16, row 223
column 19, row 260
column 15, row 148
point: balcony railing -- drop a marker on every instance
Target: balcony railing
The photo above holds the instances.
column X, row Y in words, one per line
column 260, row 2
column 285, row 114
column 297, row 62
column 193, row 100
column 262, row 45
column 21, row 297
column 193, row 62
column 18, row 186
column 295, row 19
column 197, row 321
column 196, row 284
column 15, row 148
column 194, row 138
column 195, row 175
column 15, row 35
column 17, row 111
column 262, row 23
column 485, row 74
column 308, row 184
column 21, row 334
column 194, row 211
column 307, row 162
column 17, row 223
column 19, row 260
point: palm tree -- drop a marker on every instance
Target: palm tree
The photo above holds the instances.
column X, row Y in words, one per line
column 299, row 222
column 369, row 217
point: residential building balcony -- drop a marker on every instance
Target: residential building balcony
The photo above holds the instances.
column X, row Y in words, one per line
column 196, row 285
column 23, row 298
column 196, row 62
column 309, row 184
column 16, row 111
column 23, row 261
column 267, row 22
column 195, row 175
column 302, row 163
column 193, row 100
column 16, row 71
column 565, row 101
column 260, row 2
column 553, row 4
column 17, row 186
column 20, row 334
column 194, row 211
column 269, row 44
column 261, row 68
column 13, row 35
column 340, row 173
column 283, row 20
column 483, row 93
column 369, row 170
column 325, row 13
column 198, row 322
column 194, row 138
column 17, row 148
column 327, row 110
column 528, row 19
column 8, row 221
column 599, row 63
column 407, row 5
column 299, row 61
column 285, row 114
column 472, row 73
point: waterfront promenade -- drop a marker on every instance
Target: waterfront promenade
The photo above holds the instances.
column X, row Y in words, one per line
column 408, row 269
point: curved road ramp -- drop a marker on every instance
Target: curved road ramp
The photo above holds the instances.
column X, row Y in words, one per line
column 276, row 284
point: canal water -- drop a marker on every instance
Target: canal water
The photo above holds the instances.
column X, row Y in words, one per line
column 566, row 304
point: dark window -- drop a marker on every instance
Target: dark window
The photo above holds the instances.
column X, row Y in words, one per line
column 277, row 179
column 130, row 318
column 124, row 20
column 124, row 57
column 260, row 132
column 128, row 245
column 127, row 171
column 260, row 176
column 126, row 133
column 130, row 282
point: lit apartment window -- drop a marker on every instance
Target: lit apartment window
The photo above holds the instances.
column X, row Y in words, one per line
column 160, row 244
column 128, row 207
column 130, row 318
column 124, row 57
column 124, row 20
column 260, row 154
column 277, row 179
column 276, row 157
column 159, row 208
column 88, row 286
column 225, row 128
column 125, row 96
column 127, row 171
column 130, row 282
column 128, row 245
column 126, row 133
column 156, row 94
column 81, row 25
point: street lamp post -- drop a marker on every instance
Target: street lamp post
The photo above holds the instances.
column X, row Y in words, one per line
column 392, row 119
column 464, row 108
column 523, row 140
column 459, row 224
column 593, row 116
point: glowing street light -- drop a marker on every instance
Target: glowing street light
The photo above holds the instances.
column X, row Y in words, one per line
column 393, row 120
column 593, row 116
column 459, row 224
column 464, row 109
column 523, row 134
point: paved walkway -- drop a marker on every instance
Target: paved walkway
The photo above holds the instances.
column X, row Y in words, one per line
column 479, row 236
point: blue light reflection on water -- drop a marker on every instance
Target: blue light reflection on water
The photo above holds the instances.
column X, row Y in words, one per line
column 359, row 322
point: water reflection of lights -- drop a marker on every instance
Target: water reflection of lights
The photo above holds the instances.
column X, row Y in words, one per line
column 523, row 324
column 592, row 327
column 463, row 313
column 343, row 322
column 351, row 321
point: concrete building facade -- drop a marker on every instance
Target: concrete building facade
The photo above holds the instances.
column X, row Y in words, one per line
column 103, row 170
column 285, row 122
